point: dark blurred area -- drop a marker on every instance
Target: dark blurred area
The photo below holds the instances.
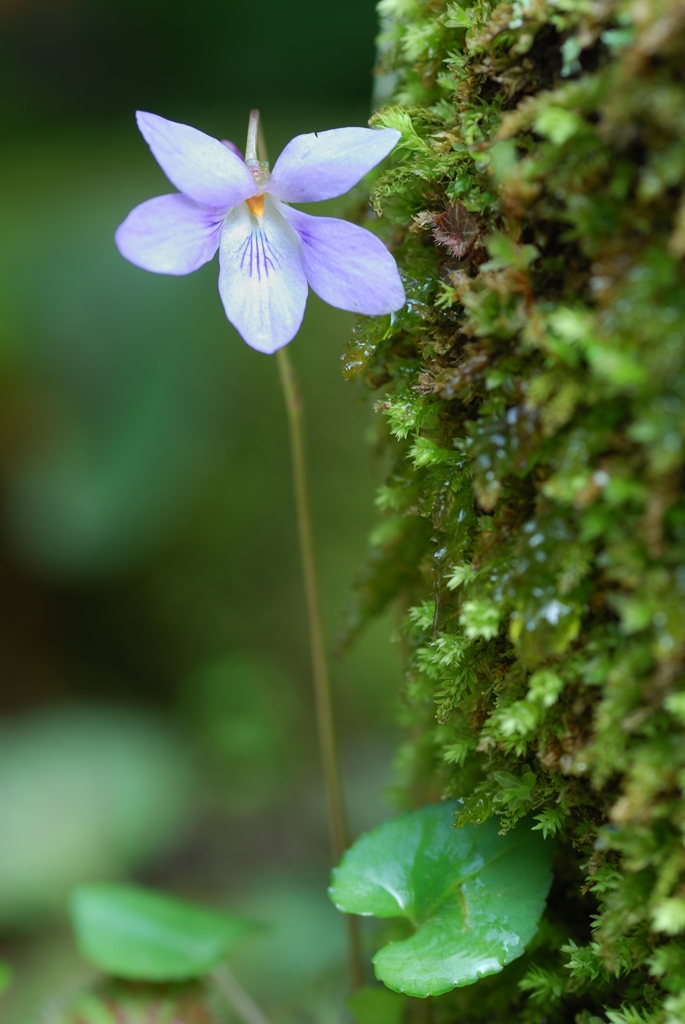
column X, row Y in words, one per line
column 102, row 58
column 156, row 716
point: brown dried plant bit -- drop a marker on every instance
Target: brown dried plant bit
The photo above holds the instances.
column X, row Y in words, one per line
column 457, row 229
column 423, row 221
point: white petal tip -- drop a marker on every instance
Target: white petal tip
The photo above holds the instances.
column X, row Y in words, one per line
column 267, row 344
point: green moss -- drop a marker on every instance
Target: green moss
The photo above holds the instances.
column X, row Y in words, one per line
column 532, row 394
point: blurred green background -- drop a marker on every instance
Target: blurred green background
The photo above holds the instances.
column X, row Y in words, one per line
column 156, row 718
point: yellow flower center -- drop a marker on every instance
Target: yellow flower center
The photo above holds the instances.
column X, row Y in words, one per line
column 256, row 205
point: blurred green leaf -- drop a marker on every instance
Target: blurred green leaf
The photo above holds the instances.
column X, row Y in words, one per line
column 457, row 17
column 92, row 1010
column 514, row 792
column 507, row 253
column 5, row 976
column 85, row 792
column 142, row 935
column 371, row 1005
column 474, row 897
column 557, row 124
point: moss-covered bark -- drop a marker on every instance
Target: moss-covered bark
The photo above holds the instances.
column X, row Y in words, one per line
column 534, row 520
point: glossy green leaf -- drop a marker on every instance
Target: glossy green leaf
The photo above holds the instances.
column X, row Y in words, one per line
column 140, row 934
column 5, row 976
column 473, row 896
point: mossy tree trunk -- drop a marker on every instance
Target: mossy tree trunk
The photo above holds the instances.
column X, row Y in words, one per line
column 534, row 521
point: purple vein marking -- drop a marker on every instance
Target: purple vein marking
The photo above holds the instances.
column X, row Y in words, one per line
column 262, row 256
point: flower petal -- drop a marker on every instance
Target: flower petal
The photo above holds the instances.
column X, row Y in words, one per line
column 233, row 148
column 197, row 164
column 170, row 234
column 346, row 265
column 262, row 283
column 327, row 164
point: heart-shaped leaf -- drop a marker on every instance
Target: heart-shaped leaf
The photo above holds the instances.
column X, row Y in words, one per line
column 142, row 935
column 474, row 897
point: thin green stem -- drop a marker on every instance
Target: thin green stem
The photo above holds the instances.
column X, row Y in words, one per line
column 337, row 827
column 252, row 136
column 322, row 683
column 256, row 156
column 239, row 998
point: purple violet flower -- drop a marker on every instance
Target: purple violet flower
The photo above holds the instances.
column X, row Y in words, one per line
column 269, row 252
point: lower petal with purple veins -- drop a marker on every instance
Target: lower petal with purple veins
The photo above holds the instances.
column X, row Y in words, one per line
column 170, row 234
column 346, row 265
column 262, row 284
